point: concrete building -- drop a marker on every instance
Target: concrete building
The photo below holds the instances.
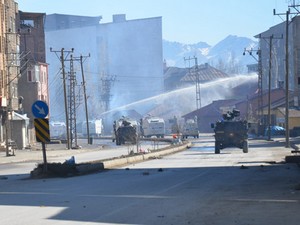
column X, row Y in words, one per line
column 9, row 70
column 277, row 48
column 34, row 70
column 278, row 56
column 126, row 52
column 274, row 57
column 10, row 54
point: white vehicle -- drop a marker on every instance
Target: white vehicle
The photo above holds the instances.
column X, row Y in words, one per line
column 95, row 128
column 57, row 130
column 190, row 128
column 153, row 126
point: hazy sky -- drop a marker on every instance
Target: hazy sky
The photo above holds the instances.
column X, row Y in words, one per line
column 185, row 21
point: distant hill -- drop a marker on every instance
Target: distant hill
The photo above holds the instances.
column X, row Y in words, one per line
column 226, row 55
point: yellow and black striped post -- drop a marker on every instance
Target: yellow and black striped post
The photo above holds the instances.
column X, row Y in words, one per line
column 42, row 132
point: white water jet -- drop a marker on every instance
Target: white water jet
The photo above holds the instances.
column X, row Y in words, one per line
column 182, row 101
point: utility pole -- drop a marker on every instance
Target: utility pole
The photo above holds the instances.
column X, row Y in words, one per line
column 287, row 96
column 72, row 104
column 269, row 80
column 107, row 82
column 85, row 99
column 269, row 89
column 62, row 59
column 259, row 87
column 287, row 15
column 14, row 62
column 84, row 95
column 197, row 80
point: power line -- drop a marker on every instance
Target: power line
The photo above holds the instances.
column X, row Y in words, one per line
column 62, row 59
column 287, row 14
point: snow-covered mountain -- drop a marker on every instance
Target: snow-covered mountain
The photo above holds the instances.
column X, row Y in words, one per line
column 225, row 55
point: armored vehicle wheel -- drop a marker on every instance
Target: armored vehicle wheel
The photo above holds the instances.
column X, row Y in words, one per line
column 217, row 147
column 118, row 141
column 245, row 147
column 122, row 141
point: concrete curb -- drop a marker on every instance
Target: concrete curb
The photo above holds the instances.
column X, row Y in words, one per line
column 112, row 163
column 61, row 170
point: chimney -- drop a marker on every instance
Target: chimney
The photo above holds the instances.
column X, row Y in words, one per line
column 118, row 18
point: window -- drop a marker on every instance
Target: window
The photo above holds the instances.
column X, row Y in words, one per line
column 27, row 23
column 29, row 76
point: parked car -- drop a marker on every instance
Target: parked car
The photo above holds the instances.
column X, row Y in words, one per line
column 275, row 131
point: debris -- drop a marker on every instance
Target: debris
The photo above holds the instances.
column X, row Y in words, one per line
column 70, row 161
column 244, row 167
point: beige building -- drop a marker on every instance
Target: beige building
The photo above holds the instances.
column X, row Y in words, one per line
column 9, row 66
column 34, row 68
column 23, row 72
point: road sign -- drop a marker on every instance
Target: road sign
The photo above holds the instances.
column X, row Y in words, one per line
column 40, row 109
column 42, row 132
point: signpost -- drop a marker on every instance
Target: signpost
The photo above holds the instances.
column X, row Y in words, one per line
column 40, row 110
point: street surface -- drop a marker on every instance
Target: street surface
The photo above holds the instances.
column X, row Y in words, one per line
column 194, row 186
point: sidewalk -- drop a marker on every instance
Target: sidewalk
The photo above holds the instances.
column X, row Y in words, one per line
column 59, row 152
column 52, row 154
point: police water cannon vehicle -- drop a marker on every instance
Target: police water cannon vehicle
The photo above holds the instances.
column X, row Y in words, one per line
column 153, row 126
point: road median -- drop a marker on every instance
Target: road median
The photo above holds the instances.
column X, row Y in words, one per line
column 72, row 169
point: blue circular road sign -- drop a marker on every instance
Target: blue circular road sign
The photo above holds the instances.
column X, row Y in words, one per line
column 40, row 109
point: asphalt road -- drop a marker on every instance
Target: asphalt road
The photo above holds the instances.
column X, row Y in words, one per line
column 194, row 186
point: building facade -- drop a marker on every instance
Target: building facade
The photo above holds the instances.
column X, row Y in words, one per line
column 9, row 67
column 34, row 70
column 125, row 63
column 273, row 56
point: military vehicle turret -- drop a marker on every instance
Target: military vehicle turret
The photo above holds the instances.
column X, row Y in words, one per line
column 231, row 132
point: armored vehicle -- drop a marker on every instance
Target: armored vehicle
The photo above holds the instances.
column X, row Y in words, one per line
column 125, row 130
column 231, row 132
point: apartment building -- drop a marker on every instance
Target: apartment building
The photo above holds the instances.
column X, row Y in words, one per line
column 9, row 67
column 34, row 70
